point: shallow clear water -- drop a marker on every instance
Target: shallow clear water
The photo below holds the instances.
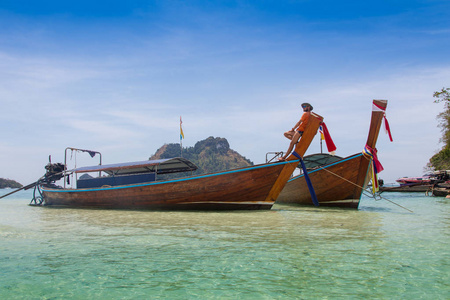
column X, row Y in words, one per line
column 378, row 252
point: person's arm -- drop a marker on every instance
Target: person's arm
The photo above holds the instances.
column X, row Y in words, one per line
column 298, row 123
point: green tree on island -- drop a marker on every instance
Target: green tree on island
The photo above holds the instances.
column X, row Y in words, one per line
column 441, row 160
column 8, row 183
column 209, row 155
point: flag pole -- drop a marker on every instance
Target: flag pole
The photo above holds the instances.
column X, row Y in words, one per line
column 181, row 138
column 321, row 151
column 321, row 137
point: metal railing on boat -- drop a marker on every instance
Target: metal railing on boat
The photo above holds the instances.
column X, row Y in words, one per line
column 91, row 153
column 274, row 154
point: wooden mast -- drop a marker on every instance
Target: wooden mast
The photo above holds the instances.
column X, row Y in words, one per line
column 375, row 125
column 301, row 147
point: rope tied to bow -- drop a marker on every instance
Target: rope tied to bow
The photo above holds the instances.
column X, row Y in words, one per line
column 376, row 166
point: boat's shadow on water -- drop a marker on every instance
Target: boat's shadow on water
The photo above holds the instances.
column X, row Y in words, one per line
column 324, row 209
column 443, row 200
column 277, row 207
column 376, row 209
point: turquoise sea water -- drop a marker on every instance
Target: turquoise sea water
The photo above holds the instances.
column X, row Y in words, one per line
column 377, row 252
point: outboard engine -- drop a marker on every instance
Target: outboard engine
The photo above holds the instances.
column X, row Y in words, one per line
column 54, row 172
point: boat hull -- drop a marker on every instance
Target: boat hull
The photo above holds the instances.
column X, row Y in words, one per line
column 335, row 185
column 415, row 188
column 255, row 187
column 338, row 184
column 440, row 189
column 245, row 188
column 440, row 192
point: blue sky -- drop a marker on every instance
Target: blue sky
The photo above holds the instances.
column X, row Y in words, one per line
column 115, row 76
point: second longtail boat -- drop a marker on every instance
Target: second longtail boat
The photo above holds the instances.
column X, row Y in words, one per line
column 338, row 182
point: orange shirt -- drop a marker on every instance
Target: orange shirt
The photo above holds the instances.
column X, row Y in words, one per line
column 305, row 120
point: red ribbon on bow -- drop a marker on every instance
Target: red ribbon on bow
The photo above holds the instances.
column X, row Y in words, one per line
column 372, row 152
column 388, row 129
column 330, row 144
column 386, row 123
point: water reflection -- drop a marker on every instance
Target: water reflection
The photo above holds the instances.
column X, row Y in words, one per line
column 287, row 252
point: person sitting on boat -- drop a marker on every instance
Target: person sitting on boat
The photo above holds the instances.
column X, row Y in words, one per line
column 297, row 131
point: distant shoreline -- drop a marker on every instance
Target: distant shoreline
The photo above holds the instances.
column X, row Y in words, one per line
column 9, row 183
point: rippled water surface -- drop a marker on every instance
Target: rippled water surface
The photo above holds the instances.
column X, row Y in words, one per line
column 378, row 252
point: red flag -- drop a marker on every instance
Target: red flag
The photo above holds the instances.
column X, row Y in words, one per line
column 386, row 123
column 330, row 144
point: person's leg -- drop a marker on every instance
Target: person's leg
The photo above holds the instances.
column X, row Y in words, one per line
column 289, row 134
column 294, row 141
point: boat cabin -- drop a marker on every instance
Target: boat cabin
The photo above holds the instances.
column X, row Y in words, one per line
column 131, row 172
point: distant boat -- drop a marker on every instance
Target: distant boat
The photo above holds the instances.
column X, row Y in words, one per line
column 425, row 179
column 431, row 183
column 133, row 185
column 411, row 185
column 439, row 190
column 407, row 188
column 440, row 187
column 337, row 182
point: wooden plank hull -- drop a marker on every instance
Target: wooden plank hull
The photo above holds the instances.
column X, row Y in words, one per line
column 420, row 188
column 440, row 192
column 334, row 184
column 245, row 188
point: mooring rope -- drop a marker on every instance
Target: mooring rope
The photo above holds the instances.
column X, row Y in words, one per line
column 36, row 201
column 362, row 188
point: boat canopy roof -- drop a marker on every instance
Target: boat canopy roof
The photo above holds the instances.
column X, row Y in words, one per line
column 159, row 166
column 317, row 160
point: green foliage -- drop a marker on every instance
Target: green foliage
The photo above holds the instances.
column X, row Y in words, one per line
column 8, row 183
column 444, row 117
column 171, row 150
column 210, row 155
column 441, row 160
column 443, row 95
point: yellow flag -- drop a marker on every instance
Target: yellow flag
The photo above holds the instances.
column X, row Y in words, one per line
column 181, row 130
column 322, row 137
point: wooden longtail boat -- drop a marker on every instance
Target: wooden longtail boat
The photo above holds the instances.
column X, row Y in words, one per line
column 255, row 187
column 409, row 188
column 339, row 183
column 427, row 183
column 439, row 191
